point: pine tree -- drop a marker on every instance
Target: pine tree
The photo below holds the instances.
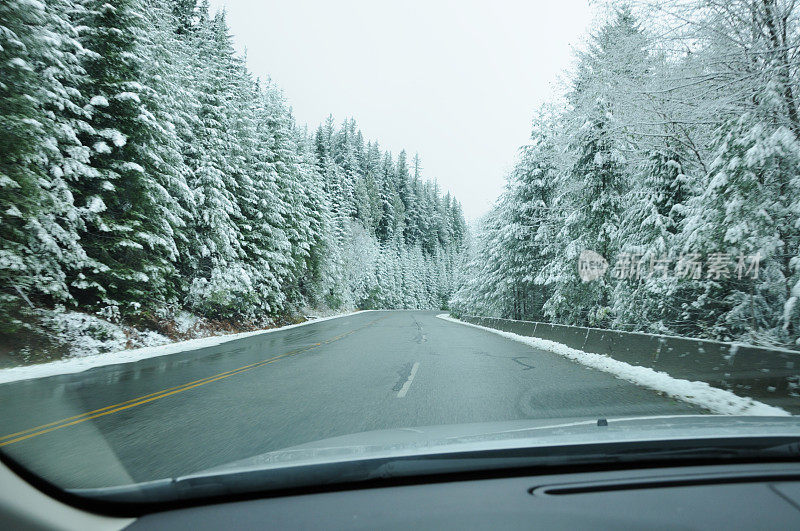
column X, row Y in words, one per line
column 650, row 224
column 127, row 212
column 216, row 267
column 594, row 200
column 39, row 155
column 746, row 210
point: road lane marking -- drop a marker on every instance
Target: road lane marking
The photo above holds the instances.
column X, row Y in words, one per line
column 402, row 392
column 77, row 419
column 121, row 403
column 138, row 401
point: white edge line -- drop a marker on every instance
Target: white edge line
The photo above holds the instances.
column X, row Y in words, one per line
column 74, row 365
column 404, row 389
column 719, row 401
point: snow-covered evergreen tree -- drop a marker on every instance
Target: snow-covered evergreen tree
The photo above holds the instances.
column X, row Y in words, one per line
column 145, row 170
column 128, row 212
column 40, row 154
column 678, row 164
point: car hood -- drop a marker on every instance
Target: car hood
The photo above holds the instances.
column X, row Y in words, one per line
column 430, row 440
column 424, row 450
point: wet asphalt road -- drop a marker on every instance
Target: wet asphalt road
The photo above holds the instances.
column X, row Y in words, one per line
column 187, row 412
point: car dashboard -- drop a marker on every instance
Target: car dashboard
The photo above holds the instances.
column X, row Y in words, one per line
column 694, row 497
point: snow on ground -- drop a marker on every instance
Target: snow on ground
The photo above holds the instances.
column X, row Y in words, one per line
column 86, row 334
column 84, row 362
column 185, row 321
column 702, row 394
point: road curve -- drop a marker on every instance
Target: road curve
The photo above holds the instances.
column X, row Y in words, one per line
column 181, row 413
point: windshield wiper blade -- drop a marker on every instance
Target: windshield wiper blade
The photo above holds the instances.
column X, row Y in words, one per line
column 385, row 468
column 560, row 457
column 720, row 451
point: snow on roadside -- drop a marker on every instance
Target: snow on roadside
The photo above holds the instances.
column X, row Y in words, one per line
column 185, row 322
column 86, row 334
column 79, row 364
column 702, row 394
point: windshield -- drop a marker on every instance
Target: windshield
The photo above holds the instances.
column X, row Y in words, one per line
column 278, row 236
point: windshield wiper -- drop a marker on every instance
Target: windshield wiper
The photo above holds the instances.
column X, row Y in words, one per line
column 521, row 460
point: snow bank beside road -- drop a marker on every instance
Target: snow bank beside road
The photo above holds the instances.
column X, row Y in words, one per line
column 702, row 394
column 78, row 364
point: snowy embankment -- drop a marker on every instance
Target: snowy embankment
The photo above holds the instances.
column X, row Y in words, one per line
column 82, row 363
column 716, row 400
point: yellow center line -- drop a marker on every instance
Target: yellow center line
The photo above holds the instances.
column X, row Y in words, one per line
column 77, row 419
column 116, row 405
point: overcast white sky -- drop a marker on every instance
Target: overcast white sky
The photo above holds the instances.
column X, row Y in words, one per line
column 455, row 81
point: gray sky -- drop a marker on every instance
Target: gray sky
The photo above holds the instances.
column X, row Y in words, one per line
column 455, row 81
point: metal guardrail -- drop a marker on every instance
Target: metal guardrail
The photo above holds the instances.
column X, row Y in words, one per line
column 771, row 376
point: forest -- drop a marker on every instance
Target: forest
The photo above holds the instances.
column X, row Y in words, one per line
column 145, row 171
column 673, row 154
